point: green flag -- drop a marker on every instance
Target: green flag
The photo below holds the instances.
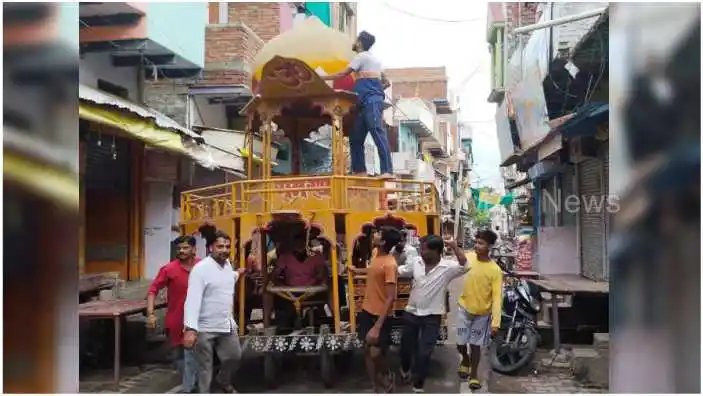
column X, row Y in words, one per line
column 506, row 200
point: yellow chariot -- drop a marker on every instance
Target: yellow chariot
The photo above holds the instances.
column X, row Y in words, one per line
column 320, row 222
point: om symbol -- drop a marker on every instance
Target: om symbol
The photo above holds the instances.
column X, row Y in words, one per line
column 290, row 74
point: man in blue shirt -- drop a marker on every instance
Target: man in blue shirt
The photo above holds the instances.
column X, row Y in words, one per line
column 369, row 83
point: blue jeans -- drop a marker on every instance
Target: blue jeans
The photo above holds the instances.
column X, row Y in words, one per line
column 369, row 120
column 187, row 365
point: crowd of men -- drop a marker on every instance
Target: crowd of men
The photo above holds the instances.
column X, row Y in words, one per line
column 200, row 307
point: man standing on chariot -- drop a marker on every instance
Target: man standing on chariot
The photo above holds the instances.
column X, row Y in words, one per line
column 369, row 86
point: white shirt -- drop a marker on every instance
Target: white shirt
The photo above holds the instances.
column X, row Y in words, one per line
column 210, row 299
column 365, row 62
column 427, row 296
column 407, row 255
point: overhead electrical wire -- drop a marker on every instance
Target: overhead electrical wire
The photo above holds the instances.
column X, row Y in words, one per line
column 430, row 19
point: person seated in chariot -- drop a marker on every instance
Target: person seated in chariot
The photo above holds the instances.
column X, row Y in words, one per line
column 362, row 249
column 295, row 268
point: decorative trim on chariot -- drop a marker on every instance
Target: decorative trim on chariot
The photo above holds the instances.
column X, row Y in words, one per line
column 315, row 342
column 301, row 342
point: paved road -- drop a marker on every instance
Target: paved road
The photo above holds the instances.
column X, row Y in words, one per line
column 302, row 375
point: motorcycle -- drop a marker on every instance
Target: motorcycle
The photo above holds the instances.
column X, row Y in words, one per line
column 504, row 254
column 515, row 345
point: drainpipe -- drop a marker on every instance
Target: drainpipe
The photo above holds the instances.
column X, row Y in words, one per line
column 561, row 21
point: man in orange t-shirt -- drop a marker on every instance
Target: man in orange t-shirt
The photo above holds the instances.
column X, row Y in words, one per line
column 380, row 293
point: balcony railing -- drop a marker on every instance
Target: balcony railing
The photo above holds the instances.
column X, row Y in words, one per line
column 404, row 163
column 308, row 193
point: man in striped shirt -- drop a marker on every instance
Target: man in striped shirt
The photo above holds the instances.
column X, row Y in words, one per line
column 427, row 304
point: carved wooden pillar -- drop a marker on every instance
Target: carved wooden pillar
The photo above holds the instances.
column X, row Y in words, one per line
column 346, row 156
column 337, row 110
column 291, row 127
column 295, row 155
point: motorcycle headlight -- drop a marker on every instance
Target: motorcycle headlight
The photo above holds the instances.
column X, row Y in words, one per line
column 535, row 305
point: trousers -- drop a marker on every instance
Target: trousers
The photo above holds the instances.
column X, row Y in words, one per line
column 369, row 120
column 419, row 338
column 228, row 349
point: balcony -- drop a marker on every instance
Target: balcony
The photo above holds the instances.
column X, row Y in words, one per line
column 414, row 113
column 167, row 38
column 404, row 163
column 304, row 194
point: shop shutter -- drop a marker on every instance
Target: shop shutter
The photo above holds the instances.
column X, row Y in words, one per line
column 591, row 220
column 608, row 213
column 107, row 168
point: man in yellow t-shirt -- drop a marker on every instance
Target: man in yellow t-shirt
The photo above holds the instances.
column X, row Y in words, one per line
column 478, row 315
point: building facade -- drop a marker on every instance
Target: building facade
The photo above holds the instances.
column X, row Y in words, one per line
column 539, row 106
column 131, row 170
column 427, row 130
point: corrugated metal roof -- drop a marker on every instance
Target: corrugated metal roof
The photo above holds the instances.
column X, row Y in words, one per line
column 99, row 97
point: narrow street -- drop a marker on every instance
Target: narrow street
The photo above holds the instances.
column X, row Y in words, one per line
column 300, row 374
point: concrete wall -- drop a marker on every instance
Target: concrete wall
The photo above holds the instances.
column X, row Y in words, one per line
column 205, row 114
column 188, row 39
column 169, row 97
column 98, row 65
column 557, row 251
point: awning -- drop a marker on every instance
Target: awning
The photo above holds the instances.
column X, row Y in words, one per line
column 41, row 168
column 46, row 181
column 143, row 123
column 586, row 120
column 518, row 183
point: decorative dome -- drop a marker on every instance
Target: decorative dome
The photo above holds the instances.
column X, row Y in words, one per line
column 324, row 49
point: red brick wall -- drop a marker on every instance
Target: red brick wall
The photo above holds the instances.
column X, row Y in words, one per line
column 263, row 18
column 518, row 15
column 228, row 45
column 231, row 43
column 425, row 82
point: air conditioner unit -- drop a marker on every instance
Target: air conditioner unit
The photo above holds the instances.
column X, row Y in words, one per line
column 582, row 149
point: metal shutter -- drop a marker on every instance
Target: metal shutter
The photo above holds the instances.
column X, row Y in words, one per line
column 591, row 222
column 608, row 215
column 107, row 163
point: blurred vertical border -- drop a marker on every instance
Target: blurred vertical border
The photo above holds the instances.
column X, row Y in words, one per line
column 40, row 201
column 655, row 245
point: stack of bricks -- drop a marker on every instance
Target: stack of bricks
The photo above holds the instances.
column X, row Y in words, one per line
column 428, row 83
column 233, row 38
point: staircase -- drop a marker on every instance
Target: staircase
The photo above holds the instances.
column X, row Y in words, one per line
column 591, row 366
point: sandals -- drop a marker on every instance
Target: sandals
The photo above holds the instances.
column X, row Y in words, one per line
column 474, row 384
column 463, row 371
